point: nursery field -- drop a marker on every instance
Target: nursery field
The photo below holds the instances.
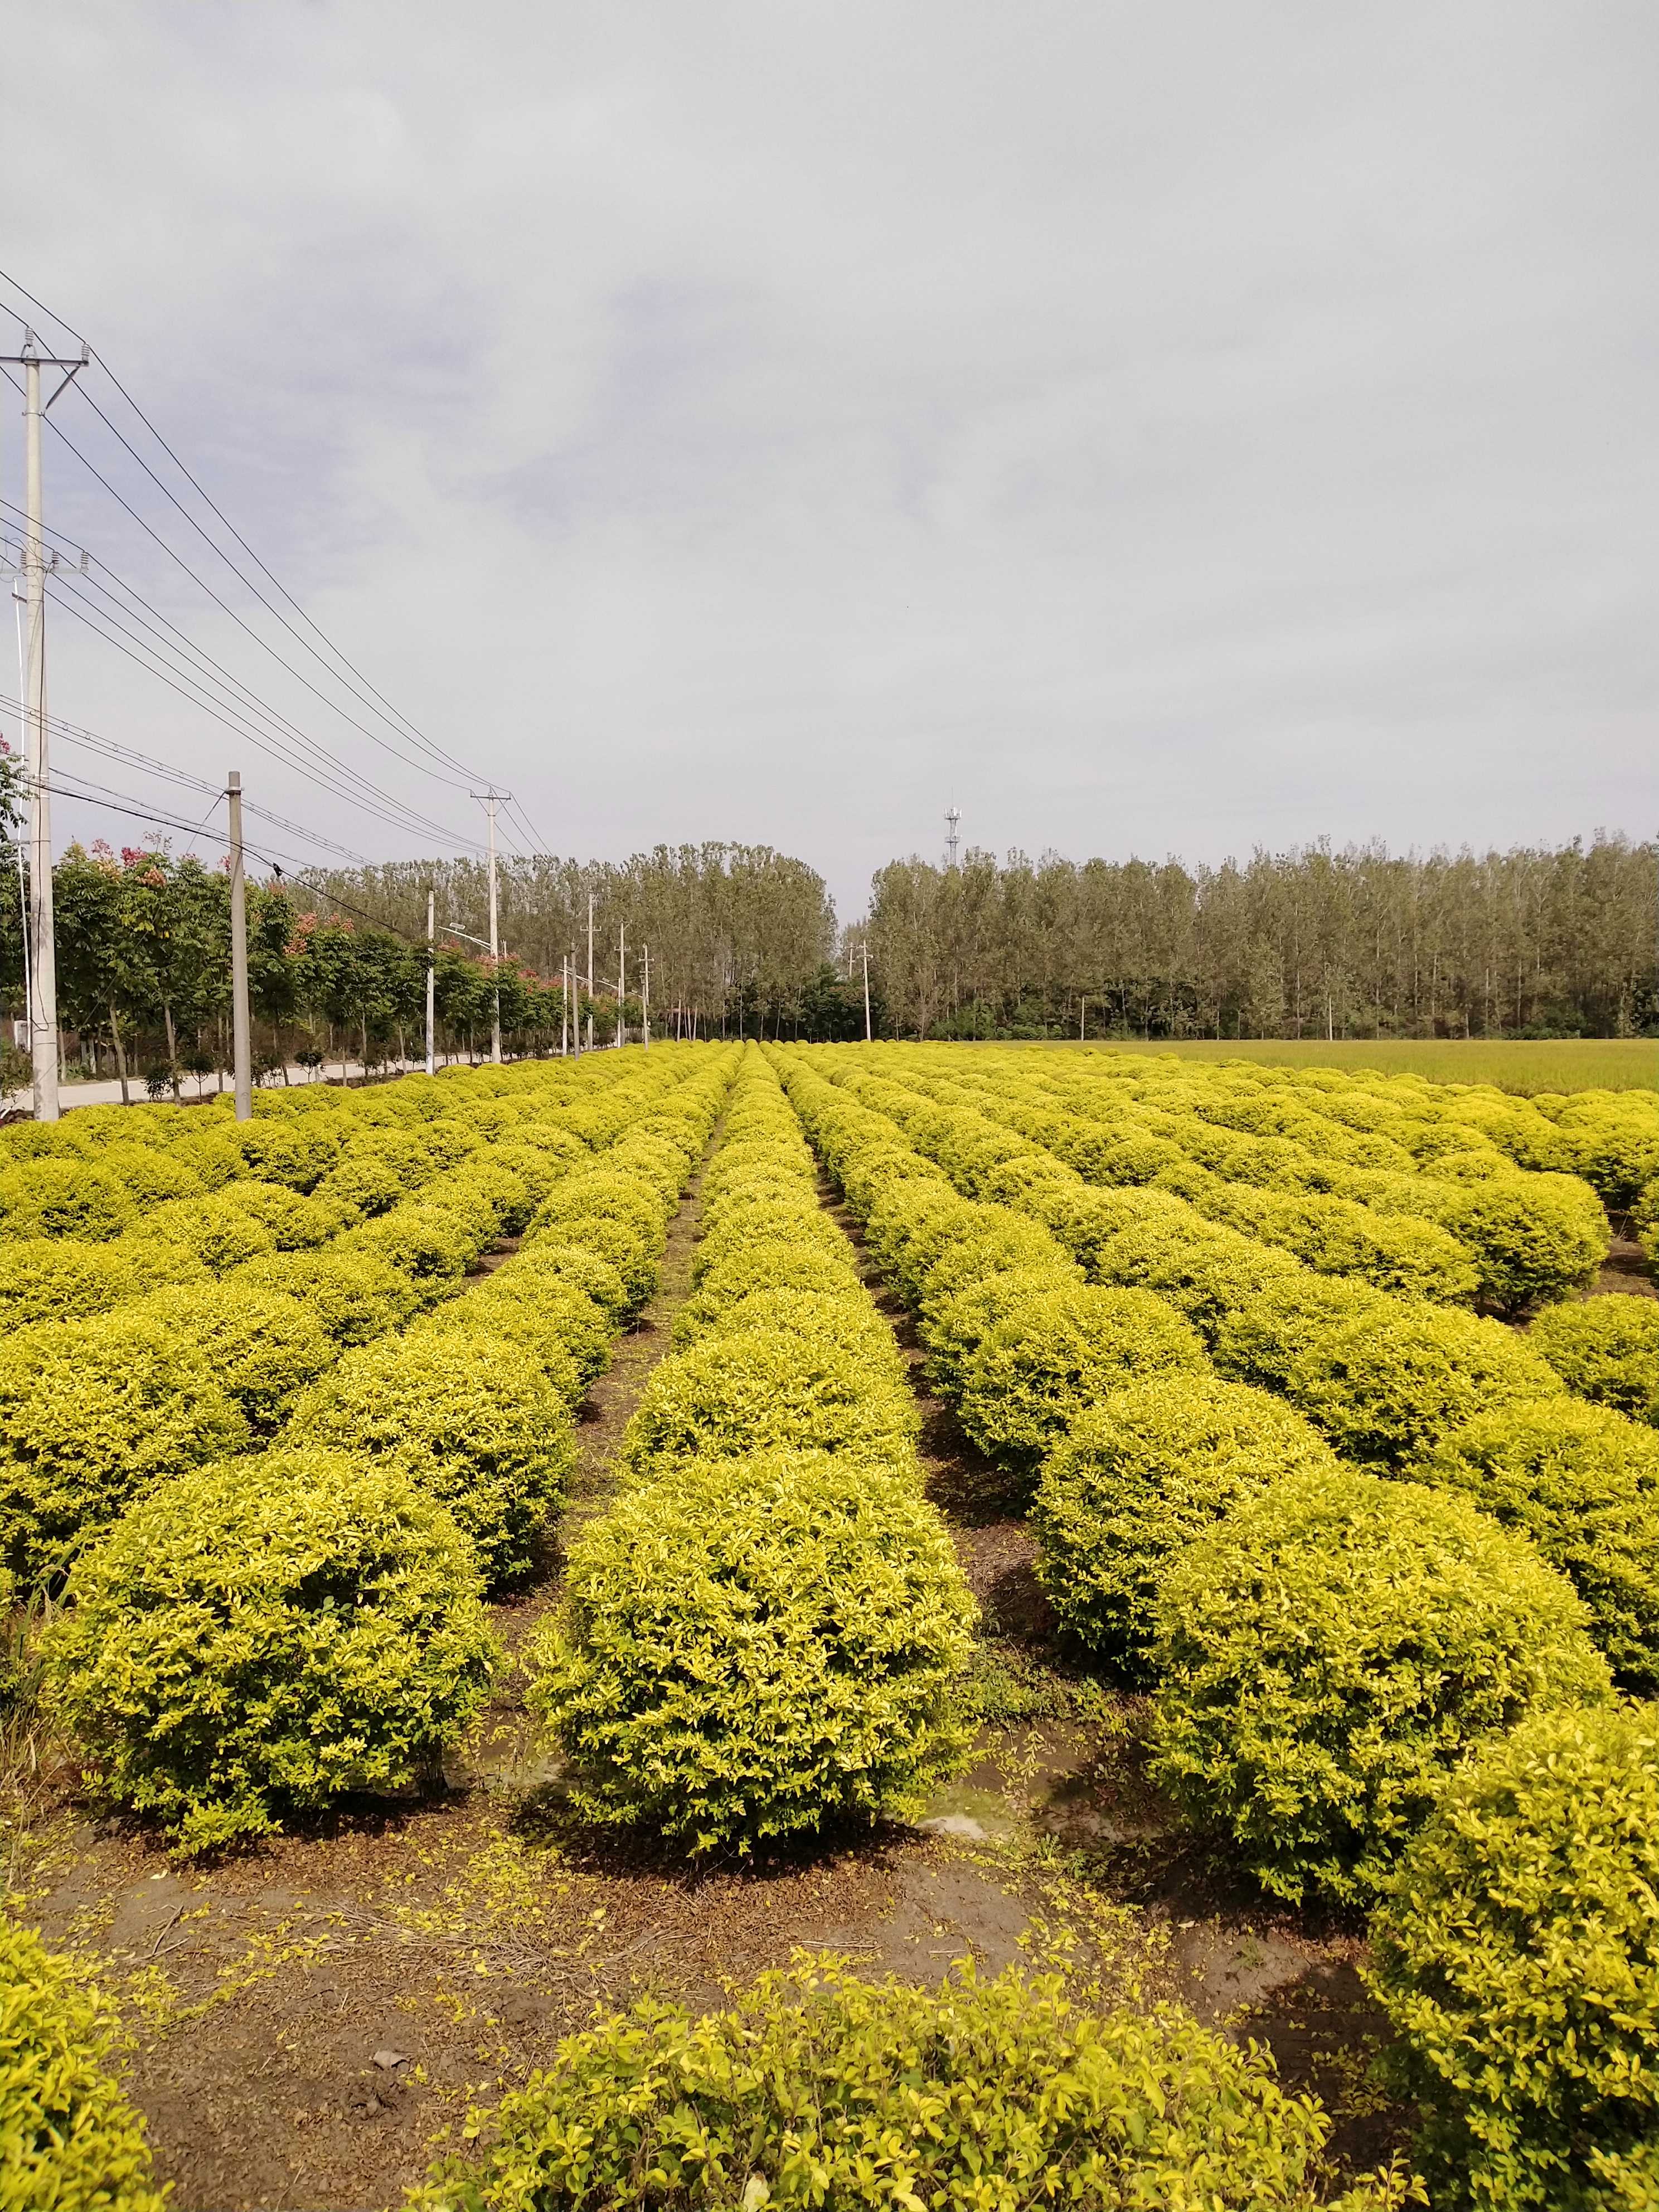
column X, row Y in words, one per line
column 892, row 1626
column 1518, row 1064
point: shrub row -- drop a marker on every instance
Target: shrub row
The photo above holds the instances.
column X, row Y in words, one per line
column 1383, row 1695
column 270, row 1631
column 1466, row 1225
column 764, row 1632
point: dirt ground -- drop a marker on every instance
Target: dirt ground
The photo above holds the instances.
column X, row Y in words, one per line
column 310, row 2018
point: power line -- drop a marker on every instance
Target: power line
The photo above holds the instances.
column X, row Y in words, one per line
column 399, row 719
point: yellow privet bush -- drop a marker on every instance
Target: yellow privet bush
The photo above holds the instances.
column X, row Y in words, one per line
column 1388, row 1385
column 60, row 1278
column 1135, row 1478
column 1584, row 1483
column 953, row 1329
column 1057, row 1353
column 729, row 1396
column 1516, row 1952
column 70, row 2139
column 1536, row 1238
column 552, row 1260
column 482, row 1429
column 91, row 1414
column 353, row 1294
column 220, row 1234
column 554, row 1312
column 1327, row 1654
column 64, row 1198
column 1605, row 1350
column 765, row 1266
column 1205, row 1273
column 268, row 1635
column 750, row 1648
column 818, row 2092
column 844, row 1317
column 425, row 1242
column 536, row 1328
column 149, row 1175
column 1260, row 1341
column 262, row 1346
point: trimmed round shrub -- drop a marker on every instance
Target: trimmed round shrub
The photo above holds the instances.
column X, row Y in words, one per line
column 750, row 1648
column 1206, row 1273
column 1583, row 1483
column 1006, row 1245
column 557, row 1307
column 507, row 1195
column 64, row 1198
column 1387, row 1386
column 58, row 1279
column 795, row 1231
column 1612, row 1141
column 262, row 1346
column 426, row 1242
column 1328, row 1653
column 149, row 1175
column 360, row 1188
column 280, row 1149
column 91, row 1414
column 765, row 1387
column 215, row 1231
column 763, row 1267
column 1605, row 1350
column 487, row 1434
column 1058, row 1351
column 1517, row 1955
column 843, row 1317
column 550, row 1260
column 267, row 1635
column 1535, row 1239
column 1270, row 1331
column 953, row 1328
column 1137, row 1478
column 819, row 2089
column 353, row 1296
column 70, row 2139
column 630, row 1252
column 534, row 1327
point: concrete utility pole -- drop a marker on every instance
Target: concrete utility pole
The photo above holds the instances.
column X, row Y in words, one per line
column 241, row 1035
column 42, row 947
column 864, row 947
column 431, row 975
column 590, row 971
column 622, row 974
column 1082, row 1008
column 491, row 800
column 645, row 1001
column 576, row 1008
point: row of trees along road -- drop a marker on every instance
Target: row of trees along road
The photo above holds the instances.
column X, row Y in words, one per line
column 1311, row 943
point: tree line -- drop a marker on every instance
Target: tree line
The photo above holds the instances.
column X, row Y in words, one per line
column 743, row 941
column 1311, row 943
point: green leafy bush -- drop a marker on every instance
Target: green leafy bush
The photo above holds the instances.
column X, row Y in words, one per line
column 361, row 1188
column 218, row 1232
column 1605, row 1350
column 1387, row 1386
column 752, row 1648
column 91, row 1414
column 354, row 1295
column 64, row 1198
column 430, row 1245
column 558, row 1308
column 820, row 2090
column 533, row 1325
column 1611, row 1139
column 768, row 1267
column 1535, row 1239
column 70, row 2139
column 1327, row 1654
column 1262, row 1341
column 149, row 1175
column 268, row 1635
column 1136, row 1478
column 1205, row 1273
column 843, row 1317
column 1517, row 1955
column 1058, row 1351
column 954, row 1328
column 295, row 1153
column 58, row 1279
column 765, row 1387
column 1584, row 1483
column 487, row 1435
column 552, row 1260
column 262, row 1346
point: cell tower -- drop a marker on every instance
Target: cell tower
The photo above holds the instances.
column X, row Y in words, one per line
column 951, row 818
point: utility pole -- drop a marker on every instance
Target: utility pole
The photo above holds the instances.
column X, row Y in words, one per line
column 590, row 971
column 621, row 976
column 575, row 1006
column 645, row 1001
column 491, row 800
column 864, row 947
column 564, row 1009
column 431, row 974
column 242, row 1040
column 1081, row 1009
column 43, row 956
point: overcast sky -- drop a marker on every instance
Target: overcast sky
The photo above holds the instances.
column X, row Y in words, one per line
column 1160, row 429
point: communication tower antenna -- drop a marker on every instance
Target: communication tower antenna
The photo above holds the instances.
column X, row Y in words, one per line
column 953, row 815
